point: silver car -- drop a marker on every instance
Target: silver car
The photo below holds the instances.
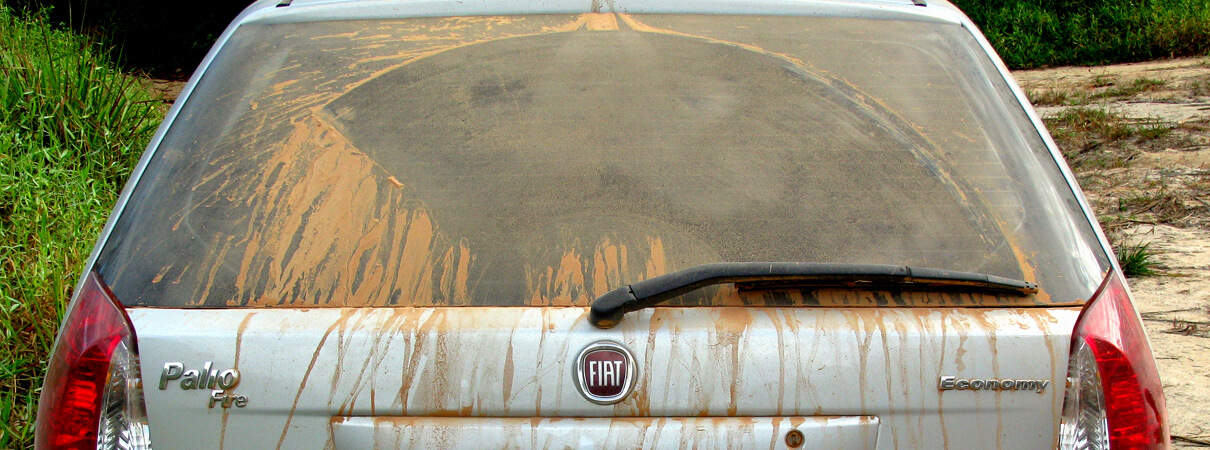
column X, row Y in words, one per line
column 438, row 223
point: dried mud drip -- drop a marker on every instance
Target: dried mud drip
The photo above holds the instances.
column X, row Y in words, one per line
column 388, row 247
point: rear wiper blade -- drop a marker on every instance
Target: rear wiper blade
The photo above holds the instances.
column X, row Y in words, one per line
column 607, row 310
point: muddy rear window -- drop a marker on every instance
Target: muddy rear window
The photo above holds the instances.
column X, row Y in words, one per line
column 545, row 160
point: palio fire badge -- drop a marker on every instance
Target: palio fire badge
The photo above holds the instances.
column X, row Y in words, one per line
column 605, row 372
column 219, row 382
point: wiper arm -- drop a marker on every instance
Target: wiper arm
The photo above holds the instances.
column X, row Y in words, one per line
column 607, row 310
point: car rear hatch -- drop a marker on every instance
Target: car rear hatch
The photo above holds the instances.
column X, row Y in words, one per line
column 389, row 232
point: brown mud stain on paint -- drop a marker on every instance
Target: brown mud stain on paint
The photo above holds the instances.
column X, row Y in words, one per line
column 239, row 341
column 339, row 324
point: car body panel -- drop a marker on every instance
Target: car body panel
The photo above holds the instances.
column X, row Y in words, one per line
column 832, row 432
column 302, row 369
column 304, row 11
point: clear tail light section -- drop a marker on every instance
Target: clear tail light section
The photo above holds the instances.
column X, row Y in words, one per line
column 92, row 396
column 1114, row 398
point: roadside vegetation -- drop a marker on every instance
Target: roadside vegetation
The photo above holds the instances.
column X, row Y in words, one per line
column 1133, row 165
column 1026, row 33
column 71, row 129
column 1137, row 260
column 1094, row 141
column 1039, row 33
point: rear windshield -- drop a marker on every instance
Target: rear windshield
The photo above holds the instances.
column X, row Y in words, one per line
column 545, row 160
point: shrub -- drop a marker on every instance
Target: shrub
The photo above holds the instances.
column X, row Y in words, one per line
column 71, row 129
column 1036, row 33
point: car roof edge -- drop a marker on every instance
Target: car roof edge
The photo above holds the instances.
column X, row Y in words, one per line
column 271, row 11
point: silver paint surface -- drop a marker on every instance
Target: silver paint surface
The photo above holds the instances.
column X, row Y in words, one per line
column 666, row 432
column 307, row 368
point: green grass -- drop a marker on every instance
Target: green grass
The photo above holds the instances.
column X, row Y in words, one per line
column 1099, row 123
column 1093, row 138
column 1053, row 97
column 1135, row 87
column 1037, row 33
column 1137, row 260
column 71, row 129
column 1109, row 126
column 1199, row 87
column 1103, row 88
column 1157, row 199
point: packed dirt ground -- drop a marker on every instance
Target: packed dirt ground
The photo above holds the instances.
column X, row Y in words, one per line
column 1138, row 138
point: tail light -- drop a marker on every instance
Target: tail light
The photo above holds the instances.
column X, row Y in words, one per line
column 1114, row 398
column 92, row 396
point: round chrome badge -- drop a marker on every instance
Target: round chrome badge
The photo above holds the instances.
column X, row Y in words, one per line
column 605, row 372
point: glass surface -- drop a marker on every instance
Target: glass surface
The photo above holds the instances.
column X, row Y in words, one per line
column 545, row 160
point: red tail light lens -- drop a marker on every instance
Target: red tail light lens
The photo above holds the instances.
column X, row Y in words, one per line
column 92, row 378
column 1114, row 393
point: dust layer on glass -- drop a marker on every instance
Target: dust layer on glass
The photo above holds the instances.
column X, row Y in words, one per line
column 545, row 160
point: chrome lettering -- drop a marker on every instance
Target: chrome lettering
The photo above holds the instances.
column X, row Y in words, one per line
column 216, row 396
column 228, row 379
column 189, row 380
column 946, row 382
column 950, row 382
column 172, row 371
column 204, row 380
column 226, row 400
column 208, row 377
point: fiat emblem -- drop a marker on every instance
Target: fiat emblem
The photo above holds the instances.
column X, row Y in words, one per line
column 605, row 372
